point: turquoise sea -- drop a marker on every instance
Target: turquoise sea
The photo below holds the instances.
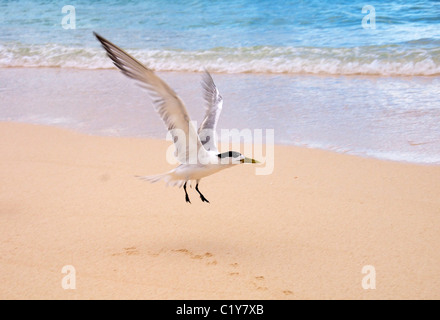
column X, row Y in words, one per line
column 324, row 74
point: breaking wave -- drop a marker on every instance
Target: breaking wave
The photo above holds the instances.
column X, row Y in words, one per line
column 387, row 60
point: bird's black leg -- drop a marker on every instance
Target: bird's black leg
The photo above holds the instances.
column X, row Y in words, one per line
column 201, row 195
column 186, row 193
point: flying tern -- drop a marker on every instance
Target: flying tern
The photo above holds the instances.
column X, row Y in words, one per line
column 196, row 151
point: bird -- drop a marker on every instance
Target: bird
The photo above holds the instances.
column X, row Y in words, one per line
column 196, row 151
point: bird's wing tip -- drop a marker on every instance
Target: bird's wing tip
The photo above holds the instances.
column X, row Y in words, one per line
column 206, row 73
column 207, row 79
column 99, row 37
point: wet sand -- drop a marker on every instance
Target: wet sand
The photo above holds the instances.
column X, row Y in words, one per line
column 393, row 118
column 303, row 232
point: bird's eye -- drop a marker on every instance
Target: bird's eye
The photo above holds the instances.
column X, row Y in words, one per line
column 230, row 154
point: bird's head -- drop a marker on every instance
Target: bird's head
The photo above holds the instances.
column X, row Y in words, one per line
column 234, row 157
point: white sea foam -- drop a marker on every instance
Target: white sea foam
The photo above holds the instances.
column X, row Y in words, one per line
column 377, row 60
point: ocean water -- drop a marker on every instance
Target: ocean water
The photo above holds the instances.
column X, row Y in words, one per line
column 333, row 82
column 315, row 37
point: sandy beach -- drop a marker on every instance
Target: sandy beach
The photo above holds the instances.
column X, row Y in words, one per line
column 339, row 98
column 304, row 232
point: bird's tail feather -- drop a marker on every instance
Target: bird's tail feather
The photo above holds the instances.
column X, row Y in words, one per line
column 168, row 178
column 155, row 178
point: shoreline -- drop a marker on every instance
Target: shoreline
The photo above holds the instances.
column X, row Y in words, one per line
column 304, row 232
column 224, row 145
column 306, row 74
column 104, row 102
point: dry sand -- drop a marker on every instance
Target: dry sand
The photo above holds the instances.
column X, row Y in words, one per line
column 306, row 231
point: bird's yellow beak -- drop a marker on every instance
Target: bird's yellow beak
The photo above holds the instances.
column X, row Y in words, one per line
column 249, row 160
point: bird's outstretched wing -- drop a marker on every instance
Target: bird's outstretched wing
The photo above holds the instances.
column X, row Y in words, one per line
column 214, row 103
column 166, row 102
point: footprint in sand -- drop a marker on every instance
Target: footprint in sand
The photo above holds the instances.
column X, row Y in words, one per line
column 206, row 255
column 186, row 251
column 131, row 251
column 262, row 288
column 127, row 251
column 258, row 286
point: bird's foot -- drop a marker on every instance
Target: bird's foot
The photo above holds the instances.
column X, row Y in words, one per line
column 204, row 199
column 187, row 199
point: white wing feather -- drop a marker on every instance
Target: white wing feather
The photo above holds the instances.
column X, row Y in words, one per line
column 214, row 103
column 166, row 102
